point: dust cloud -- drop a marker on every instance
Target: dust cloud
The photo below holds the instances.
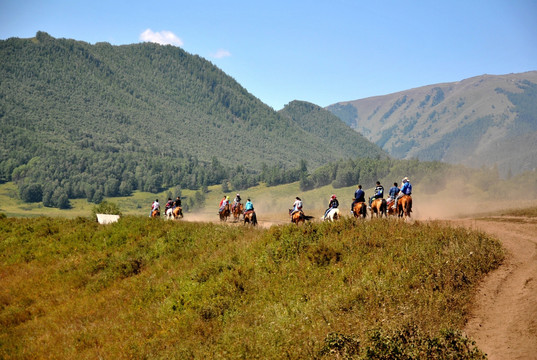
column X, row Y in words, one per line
column 435, row 197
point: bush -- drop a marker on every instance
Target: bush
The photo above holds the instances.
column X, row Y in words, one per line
column 31, row 193
column 410, row 343
column 105, row 207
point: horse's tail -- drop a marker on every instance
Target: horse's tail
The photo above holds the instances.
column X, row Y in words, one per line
column 408, row 206
column 383, row 208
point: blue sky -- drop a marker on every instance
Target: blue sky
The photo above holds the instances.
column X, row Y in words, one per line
column 317, row 51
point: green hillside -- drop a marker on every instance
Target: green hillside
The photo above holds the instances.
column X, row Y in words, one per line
column 86, row 121
column 328, row 127
column 486, row 120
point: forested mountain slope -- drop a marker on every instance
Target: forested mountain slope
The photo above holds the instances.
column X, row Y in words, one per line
column 82, row 120
column 485, row 120
column 329, row 128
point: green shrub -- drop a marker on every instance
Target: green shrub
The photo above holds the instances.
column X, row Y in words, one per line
column 105, row 207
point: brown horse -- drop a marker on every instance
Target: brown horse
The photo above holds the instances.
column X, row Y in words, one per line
column 404, row 206
column 391, row 209
column 177, row 212
column 378, row 207
column 250, row 218
column 237, row 211
column 155, row 213
column 299, row 217
column 224, row 214
column 359, row 209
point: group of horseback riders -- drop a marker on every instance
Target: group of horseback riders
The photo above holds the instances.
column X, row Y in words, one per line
column 248, row 206
column 236, row 208
column 394, row 194
column 174, row 205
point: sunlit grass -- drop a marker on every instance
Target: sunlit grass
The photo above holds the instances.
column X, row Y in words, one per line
column 72, row 288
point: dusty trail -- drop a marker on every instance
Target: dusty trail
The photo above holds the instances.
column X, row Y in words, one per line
column 504, row 320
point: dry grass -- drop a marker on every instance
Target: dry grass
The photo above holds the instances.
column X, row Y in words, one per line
column 144, row 288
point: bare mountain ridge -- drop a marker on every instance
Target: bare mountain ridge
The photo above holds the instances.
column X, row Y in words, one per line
column 485, row 120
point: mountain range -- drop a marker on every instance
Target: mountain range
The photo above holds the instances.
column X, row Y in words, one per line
column 146, row 116
column 486, row 120
column 80, row 120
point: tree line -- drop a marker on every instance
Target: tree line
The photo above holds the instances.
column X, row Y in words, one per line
column 93, row 121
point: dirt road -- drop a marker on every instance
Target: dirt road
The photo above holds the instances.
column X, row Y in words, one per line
column 504, row 320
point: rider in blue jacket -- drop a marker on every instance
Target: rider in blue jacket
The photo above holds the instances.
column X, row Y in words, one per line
column 394, row 191
column 359, row 196
column 248, row 206
column 406, row 189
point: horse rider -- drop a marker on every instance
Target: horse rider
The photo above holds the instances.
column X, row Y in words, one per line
column 406, row 189
column 394, row 191
column 168, row 205
column 248, row 206
column 359, row 196
column 236, row 201
column 154, row 207
column 177, row 202
column 223, row 203
column 297, row 205
column 333, row 204
column 379, row 193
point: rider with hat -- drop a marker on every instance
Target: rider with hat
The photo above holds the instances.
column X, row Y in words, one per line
column 406, row 189
column 334, row 203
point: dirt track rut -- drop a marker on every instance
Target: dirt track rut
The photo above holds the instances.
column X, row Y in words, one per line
column 504, row 320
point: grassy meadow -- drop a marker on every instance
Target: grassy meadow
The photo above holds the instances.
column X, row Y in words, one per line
column 149, row 288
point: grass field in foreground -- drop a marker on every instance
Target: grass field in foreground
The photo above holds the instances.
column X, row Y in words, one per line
column 148, row 288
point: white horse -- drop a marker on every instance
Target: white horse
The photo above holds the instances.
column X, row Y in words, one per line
column 169, row 214
column 332, row 215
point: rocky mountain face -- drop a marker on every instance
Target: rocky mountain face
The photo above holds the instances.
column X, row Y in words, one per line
column 481, row 121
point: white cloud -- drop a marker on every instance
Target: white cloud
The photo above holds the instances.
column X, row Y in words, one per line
column 221, row 53
column 161, row 37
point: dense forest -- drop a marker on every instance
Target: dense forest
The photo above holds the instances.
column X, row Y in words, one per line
column 87, row 121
